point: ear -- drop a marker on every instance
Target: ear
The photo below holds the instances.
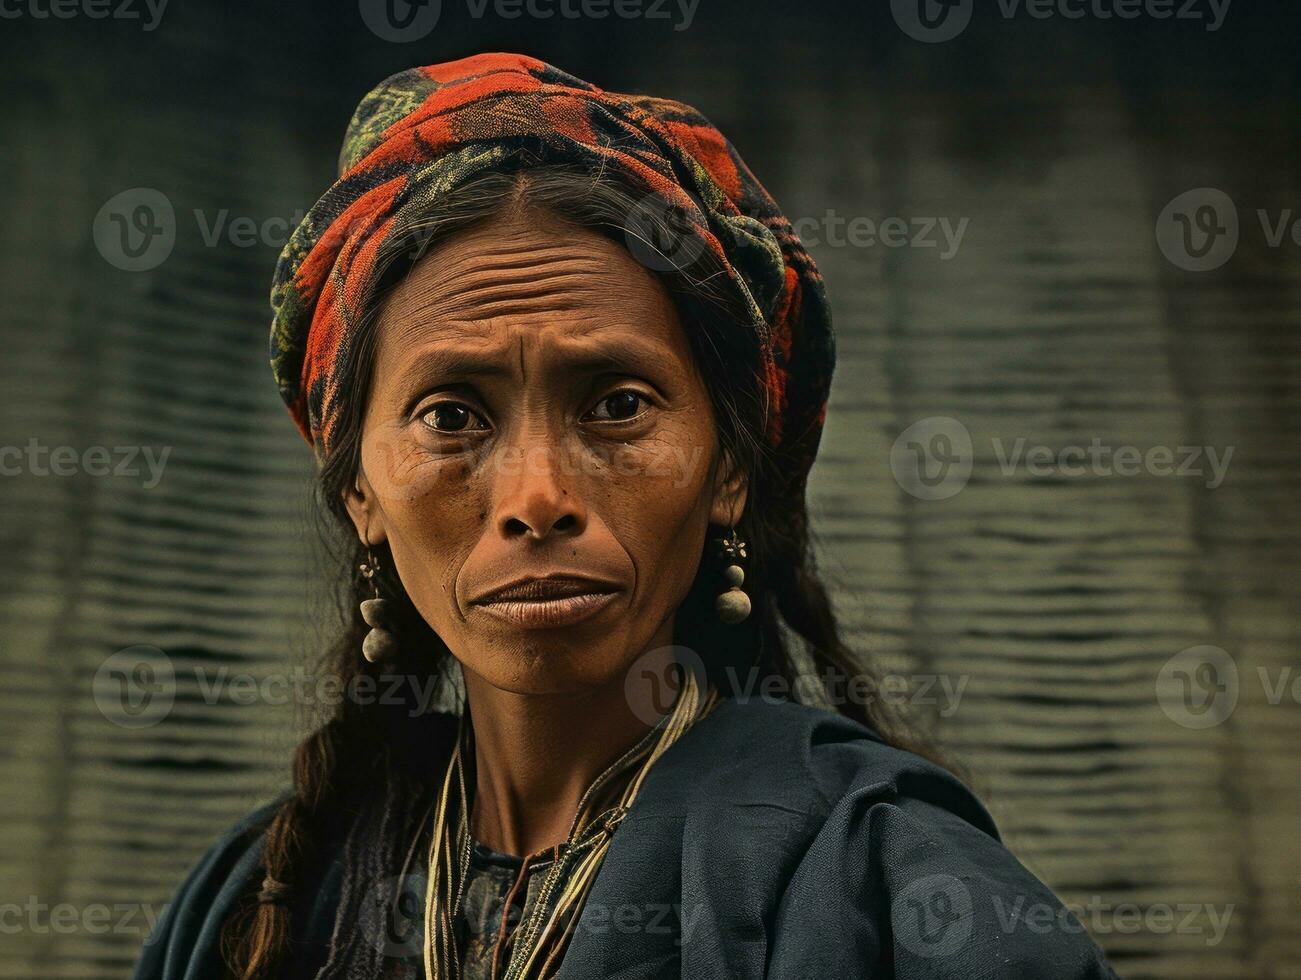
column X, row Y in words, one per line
column 367, row 517
column 731, row 490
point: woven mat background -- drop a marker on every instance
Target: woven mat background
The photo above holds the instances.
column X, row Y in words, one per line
column 1055, row 598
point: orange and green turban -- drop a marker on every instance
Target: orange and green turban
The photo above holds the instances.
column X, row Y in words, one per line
column 422, row 132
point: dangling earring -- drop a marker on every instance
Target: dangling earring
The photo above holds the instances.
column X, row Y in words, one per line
column 380, row 643
column 732, row 605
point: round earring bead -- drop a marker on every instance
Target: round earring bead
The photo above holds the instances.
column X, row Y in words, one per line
column 733, row 606
column 734, row 575
column 374, row 612
column 378, row 645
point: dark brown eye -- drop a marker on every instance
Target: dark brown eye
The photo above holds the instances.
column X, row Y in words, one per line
column 620, row 406
column 449, row 417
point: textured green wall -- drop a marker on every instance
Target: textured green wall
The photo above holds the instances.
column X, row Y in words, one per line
column 1051, row 599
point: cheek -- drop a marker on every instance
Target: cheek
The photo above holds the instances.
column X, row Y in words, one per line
column 404, row 473
column 655, row 495
column 433, row 510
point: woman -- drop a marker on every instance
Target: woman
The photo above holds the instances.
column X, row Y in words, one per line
column 565, row 366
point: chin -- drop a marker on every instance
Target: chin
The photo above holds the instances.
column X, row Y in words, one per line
column 536, row 665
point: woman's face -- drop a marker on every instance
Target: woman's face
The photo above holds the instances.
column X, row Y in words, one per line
column 535, row 410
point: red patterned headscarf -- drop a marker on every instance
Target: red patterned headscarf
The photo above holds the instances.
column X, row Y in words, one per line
column 421, row 133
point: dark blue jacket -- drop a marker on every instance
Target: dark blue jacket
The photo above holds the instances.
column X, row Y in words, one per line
column 772, row 840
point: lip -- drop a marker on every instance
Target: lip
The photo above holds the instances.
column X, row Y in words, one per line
column 546, row 613
column 539, row 602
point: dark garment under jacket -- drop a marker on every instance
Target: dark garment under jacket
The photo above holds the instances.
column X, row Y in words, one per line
column 772, row 840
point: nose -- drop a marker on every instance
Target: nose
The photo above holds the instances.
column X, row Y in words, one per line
column 535, row 497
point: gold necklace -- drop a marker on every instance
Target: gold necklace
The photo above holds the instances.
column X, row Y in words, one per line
column 570, row 876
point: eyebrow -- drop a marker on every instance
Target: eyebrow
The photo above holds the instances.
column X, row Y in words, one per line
column 625, row 356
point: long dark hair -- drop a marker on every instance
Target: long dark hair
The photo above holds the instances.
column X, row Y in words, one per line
column 368, row 749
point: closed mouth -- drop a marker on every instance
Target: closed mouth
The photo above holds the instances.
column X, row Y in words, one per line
column 547, row 589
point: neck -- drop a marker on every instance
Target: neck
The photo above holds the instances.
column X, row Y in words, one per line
column 536, row 755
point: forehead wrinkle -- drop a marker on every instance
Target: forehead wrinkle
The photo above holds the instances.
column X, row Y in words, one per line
column 511, row 246
column 562, row 282
column 475, row 351
column 556, row 291
column 509, row 253
column 519, row 257
column 509, row 285
column 516, row 264
column 479, row 337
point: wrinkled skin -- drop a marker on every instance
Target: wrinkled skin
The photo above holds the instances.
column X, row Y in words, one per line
column 574, row 433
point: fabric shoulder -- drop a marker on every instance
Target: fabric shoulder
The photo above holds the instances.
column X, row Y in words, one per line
column 185, row 943
column 886, row 862
column 804, row 759
column 906, row 883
